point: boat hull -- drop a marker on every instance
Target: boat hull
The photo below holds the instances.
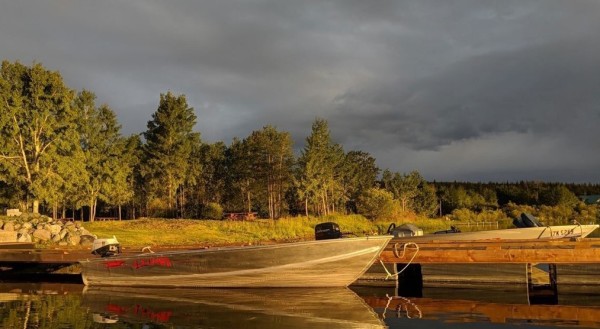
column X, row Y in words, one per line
column 324, row 263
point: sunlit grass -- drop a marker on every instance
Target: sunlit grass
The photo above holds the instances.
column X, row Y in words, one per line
column 187, row 232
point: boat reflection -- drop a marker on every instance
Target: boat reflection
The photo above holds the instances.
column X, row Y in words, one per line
column 485, row 306
column 49, row 306
column 226, row 308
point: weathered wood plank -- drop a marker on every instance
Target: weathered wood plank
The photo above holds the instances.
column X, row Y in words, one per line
column 16, row 245
column 556, row 256
column 547, row 251
column 43, row 256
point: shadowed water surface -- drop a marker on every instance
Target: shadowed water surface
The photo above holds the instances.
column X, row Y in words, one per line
column 74, row 306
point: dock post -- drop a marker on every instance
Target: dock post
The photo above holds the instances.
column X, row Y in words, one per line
column 542, row 293
column 410, row 281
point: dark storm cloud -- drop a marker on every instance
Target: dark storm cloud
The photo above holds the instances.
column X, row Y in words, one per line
column 490, row 89
column 545, row 90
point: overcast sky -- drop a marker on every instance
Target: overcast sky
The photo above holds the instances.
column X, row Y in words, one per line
column 457, row 90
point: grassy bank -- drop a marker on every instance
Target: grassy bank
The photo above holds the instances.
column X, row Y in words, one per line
column 186, row 232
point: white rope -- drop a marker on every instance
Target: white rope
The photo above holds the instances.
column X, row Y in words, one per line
column 148, row 249
column 390, row 275
column 399, row 307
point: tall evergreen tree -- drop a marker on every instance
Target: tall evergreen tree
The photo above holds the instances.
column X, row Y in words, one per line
column 359, row 173
column 319, row 181
column 240, row 176
column 118, row 189
column 271, row 159
column 103, row 148
column 211, row 187
column 188, row 205
column 168, row 146
column 413, row 192
column 37, row 122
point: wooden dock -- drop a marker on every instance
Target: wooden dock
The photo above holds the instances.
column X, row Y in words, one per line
column 25, row 253
column 479, row 263
column 563, row 251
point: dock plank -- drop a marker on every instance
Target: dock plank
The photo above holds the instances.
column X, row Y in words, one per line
column 16, row 245
column 540, row 251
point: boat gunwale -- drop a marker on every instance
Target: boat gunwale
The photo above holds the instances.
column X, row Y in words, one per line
column 238, row 248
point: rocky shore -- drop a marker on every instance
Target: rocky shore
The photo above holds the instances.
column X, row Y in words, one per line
column 45, row 230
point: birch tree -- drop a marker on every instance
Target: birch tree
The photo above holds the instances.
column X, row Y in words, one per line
column 37, row 123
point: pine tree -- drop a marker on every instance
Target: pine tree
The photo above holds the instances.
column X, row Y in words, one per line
column 167, row 149
column 271, row 158
column 359, row 174
column 103, row 148
column 320, row 174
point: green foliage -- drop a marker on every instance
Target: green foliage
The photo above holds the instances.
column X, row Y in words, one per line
column 359, row 173
column 426, row 201
column 37, row 126
column 270, row 158
column 106, row 165
column 240, row 178
column 213, row 211
column 376, row 203
column 213, row 175
column 318, row 183
column 467, row 215
column 412, row 191
column 558, row 196
column 119, row 188
column 169, row 144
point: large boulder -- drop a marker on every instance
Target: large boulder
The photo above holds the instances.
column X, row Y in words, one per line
column 8, row 236
column 24, row 237
column 42, row 235
column 63, row 233
column 87, row 240
column 54, row 228
column 43, row 229
column 73, row 239
column 83, row 231
column 9, row 226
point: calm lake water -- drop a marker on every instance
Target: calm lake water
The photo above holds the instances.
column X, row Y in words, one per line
column 74, row 306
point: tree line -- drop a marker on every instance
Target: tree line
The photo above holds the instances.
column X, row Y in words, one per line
column 62, row 153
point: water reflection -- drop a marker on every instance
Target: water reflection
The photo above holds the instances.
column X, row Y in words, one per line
column 489, row 307
column 227, row 308
column 51, row 306
column 41, row 307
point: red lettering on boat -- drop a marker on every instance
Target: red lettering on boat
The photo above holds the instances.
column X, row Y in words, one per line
column 161, row 316
column 115, row 309
column 158, row 261
column 114, row 263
